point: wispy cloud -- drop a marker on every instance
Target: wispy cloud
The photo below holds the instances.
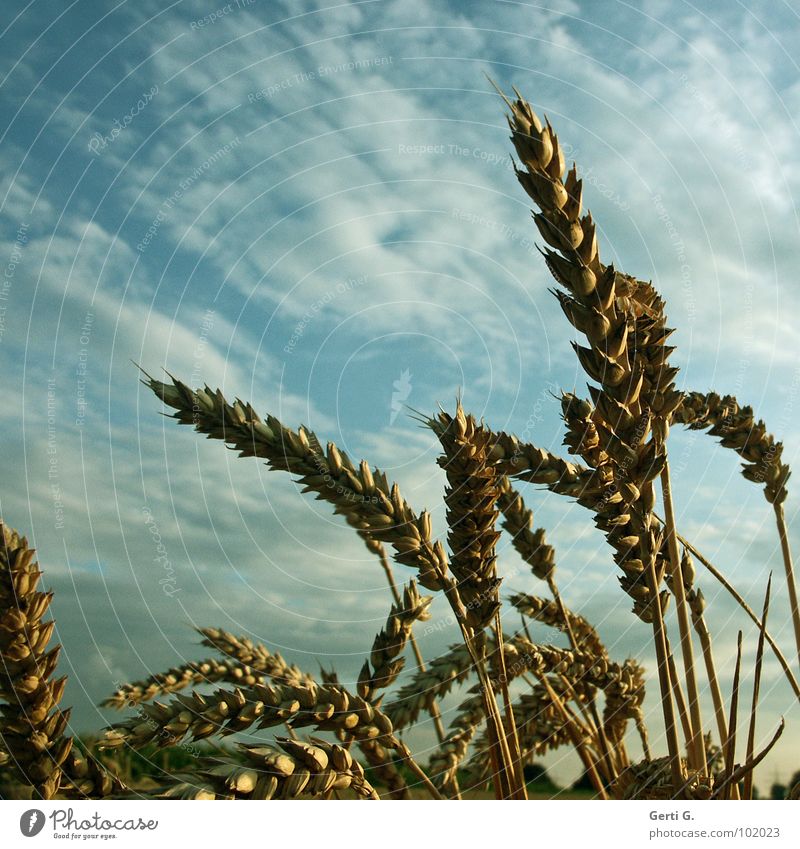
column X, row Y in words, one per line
column 303, row 204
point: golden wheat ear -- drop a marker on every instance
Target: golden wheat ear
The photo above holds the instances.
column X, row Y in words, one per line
column 32, row 732
column 737, row 429
column 33, row 728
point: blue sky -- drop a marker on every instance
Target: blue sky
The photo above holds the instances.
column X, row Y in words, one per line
column 313, row 208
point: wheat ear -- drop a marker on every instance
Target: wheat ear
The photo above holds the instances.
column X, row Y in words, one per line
column 433, row 706
column 625, row 325
column 254, row 655
column 296, row 770
column 181, row 677
column 427, row 685
column 363, row 496
column 737, row 429
column 386, row 661
column 471, row 499
column 33, row 725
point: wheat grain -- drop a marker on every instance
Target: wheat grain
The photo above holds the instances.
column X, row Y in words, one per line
column 385, row 659
column 33, row 726
column 427, row 685
column 363, row 496
column 181, row 677
column 296, row 770
column 471, row 498
column 256, row 656
column 549, row 613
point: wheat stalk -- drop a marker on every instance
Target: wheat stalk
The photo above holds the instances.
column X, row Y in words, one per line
column 180, row 678
column 195, row 716
column 363, row 496
column 33, row 726
column 737, row 429
column 255, row 656
column 386, row 661
column 433, row 707
column 472, row 514
column 296, row 770
column 625, row 325
column 530, row 544
column 471, row 499
column 326, row 707
column 427, row 685
column 445, row 761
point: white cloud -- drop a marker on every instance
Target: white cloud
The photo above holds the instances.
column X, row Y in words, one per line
column 324, row 187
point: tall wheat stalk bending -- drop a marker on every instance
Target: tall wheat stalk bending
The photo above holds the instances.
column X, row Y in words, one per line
column 620, row 436
column 624, row 323
column 737, row 429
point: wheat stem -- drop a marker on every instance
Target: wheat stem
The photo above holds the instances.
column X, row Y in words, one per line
column 751, row 733
column 696, row 749
column 786, row 551
column 667, row 708
column 716, row 692
column 748, row 610
column 730, row 743
column 433, row 705
column 680, row 699
column 520, row 790
column 578, row 738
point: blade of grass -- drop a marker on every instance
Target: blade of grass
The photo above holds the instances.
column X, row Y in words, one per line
column 730, row 743
column 751, row 734
column 748, row 610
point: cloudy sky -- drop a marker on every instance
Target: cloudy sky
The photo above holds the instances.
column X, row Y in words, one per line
column 312, row 206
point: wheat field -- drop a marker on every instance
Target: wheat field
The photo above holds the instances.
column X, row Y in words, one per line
column 310, row 736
